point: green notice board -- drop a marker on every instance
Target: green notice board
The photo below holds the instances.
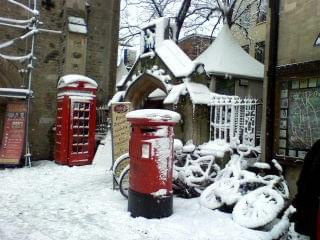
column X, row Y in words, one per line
column 304, row 118
column 299, row 125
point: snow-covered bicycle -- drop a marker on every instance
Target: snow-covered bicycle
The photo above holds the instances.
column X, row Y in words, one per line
column 192, row 173
column 119, row 165
column 255, row 200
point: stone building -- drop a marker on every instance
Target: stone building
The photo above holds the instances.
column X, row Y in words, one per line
column 292, row 79
column 165, row 77
column 254, row 21
column 87, row 45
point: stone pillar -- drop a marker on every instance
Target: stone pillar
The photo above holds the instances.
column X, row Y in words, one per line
column 76, row 46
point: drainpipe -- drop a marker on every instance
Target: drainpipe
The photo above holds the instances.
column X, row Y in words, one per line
column 271, row 79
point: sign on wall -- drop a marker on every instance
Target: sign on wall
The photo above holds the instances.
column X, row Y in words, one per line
column 299, row 125
column 120, row 128
column 12, row 143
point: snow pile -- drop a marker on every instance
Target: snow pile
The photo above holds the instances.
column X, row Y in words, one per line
column 262, row 165
column 159, row 73
column 78, row 203
column 216, row 148
column 103, row 154
column 189, row 147
column 177, row 145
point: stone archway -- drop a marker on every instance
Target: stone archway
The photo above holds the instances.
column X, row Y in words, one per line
column 138, row 91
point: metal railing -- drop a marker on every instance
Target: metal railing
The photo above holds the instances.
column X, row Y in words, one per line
column 234, row 120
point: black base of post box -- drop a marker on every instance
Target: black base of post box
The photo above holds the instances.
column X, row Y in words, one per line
column 148, row 206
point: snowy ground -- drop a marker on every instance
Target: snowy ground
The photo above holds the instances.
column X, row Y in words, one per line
column 49, row 201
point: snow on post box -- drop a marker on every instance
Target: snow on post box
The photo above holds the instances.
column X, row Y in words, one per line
column 151, row 156
column 76, row 120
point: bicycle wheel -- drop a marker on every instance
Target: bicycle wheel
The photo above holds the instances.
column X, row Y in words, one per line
column 258, row 208
column 124, row 181
column 209, row 199
column 118, row 166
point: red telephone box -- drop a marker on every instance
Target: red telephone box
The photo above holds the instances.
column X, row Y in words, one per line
column 151, row 156
column 76, row 120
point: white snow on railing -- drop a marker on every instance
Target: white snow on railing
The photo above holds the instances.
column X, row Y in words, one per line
column 234, row 120
column 16, row 58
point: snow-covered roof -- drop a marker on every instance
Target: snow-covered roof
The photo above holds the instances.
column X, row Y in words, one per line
column 199, row 93
column 15, row 92
column 70, row 79
column 175, row 59
column 226, row 57
column 157, row 94
column 116, row 97
column 175, row 93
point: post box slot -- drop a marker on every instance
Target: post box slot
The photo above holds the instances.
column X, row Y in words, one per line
column 148, row 130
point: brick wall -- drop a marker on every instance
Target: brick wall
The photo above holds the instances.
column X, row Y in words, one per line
column 194, row 45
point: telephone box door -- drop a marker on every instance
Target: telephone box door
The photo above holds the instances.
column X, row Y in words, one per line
column 81, row 133
column 62, row 124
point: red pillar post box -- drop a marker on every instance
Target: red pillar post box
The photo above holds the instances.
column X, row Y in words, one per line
column 151, row 156
column 76, row 120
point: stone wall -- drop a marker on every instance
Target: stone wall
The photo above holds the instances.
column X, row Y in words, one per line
column 98, row 60
column 299, row 27
column 256, row 31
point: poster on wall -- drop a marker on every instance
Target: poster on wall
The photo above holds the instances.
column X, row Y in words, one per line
column 120, row 128
column 12, row 143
